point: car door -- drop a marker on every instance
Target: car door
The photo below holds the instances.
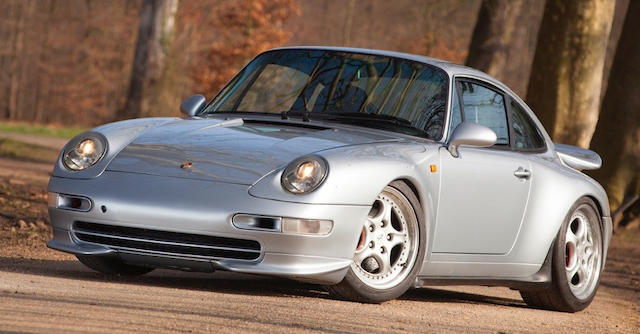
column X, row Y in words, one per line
column 484, row 191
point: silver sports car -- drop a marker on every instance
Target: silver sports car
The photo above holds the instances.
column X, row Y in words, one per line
column 370, row 172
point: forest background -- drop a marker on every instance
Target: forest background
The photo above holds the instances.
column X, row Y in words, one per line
column 86, row 62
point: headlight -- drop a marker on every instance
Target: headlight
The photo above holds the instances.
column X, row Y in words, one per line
column 304, row 175
column 83, row 152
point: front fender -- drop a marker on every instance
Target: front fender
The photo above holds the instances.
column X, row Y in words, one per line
column 357, row 174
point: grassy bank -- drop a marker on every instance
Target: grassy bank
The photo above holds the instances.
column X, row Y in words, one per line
column 42, row 130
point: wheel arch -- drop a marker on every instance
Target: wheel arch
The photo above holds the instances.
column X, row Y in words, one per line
column 598, row 207
column 413, row 188
column 597, row 203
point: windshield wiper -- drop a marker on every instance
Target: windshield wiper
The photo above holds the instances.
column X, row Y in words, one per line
column 284, row 114
column 367, row 116
column 305, row 115
column 373, row 120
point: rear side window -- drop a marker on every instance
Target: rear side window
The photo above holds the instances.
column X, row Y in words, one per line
column 526, row 136
column 485, row 106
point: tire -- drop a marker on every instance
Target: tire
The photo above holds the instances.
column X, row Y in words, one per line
column 576, row 262
column 379, row 274
column 112, row 265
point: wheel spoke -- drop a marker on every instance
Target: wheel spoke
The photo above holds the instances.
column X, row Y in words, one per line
column 363, row 254
column 571, row 238
column 588, row 252
column 375, row 221
column 396, row 239
column 572, row 271
column 384, row 261
column 581, row 273
column 386, row 214
column 582, row 230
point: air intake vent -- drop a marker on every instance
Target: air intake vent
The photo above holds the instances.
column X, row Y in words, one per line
column 183, row 244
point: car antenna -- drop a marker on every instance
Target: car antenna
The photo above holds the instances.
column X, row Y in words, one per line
column 284, row 115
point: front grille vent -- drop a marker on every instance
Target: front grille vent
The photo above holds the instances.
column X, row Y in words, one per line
column 184, row 244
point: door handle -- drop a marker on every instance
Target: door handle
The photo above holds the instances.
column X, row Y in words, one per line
column 522, row 173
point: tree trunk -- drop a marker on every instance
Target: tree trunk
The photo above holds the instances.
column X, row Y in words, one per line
column 492, row 36
column 348, row 22
column 617, row 135
column 616, row 30
column 155, row 30
column 17, row 65
column 566, row 77
column 503, row 40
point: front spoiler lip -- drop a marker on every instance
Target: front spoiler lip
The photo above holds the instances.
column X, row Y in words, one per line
column 80, row 249
column 313, row 269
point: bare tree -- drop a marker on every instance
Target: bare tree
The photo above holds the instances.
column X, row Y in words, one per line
column 616, row 30
column 617, row 135
column 348, row 22
column 155, row 33
column 503, row 40
column 493, row 34
column 566, row 78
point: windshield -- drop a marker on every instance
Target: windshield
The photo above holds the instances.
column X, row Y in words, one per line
column 382, row 92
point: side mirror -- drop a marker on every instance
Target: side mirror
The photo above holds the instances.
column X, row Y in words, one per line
column 470, row 134
column 193, row 105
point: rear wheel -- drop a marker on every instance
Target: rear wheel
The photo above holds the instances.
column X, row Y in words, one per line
column 576, row 263
column 112, row 265
column 390, row 249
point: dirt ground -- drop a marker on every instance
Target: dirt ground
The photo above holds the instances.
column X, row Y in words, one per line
column 43, row 291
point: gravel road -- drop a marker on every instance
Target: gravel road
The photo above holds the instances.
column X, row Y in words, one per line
column 51, row 296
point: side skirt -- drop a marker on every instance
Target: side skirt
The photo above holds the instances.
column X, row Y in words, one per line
column 538, row 281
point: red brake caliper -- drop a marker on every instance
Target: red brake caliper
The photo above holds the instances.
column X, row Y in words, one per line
column 361, row 241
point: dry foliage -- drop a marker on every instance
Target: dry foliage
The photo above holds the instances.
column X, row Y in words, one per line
column 69, row 62
column 64, row 62
column 242, row 30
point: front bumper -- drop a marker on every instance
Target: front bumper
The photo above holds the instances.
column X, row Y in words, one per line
column 206, row 208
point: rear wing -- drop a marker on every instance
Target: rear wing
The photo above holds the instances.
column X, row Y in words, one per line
column 578, row 158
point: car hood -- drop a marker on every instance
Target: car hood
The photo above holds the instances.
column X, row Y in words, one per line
column 230, row 151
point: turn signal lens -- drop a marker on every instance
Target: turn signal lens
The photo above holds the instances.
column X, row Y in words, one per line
column 52, row 200
column 306, row 226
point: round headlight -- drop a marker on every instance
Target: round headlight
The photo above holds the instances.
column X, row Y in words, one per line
column 304, row 175
column 83, row 153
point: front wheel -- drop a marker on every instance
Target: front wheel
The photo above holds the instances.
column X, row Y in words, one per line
column 390, row 249
column 576, row 262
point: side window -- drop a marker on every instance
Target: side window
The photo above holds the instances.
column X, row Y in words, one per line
column 456, row 114
column 526, row 135
column 486, row 107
